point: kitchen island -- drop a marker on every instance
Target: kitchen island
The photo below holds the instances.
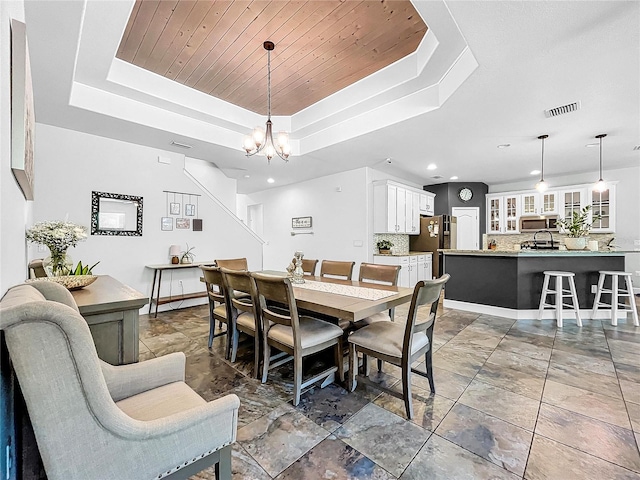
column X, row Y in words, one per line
column 509, row 283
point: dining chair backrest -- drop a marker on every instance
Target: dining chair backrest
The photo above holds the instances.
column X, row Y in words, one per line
column 238, row 284
column 334, row 268
column 214, row 282
column 233, row 264
column 387, row 274
column 309, row 266
column 36, row 268
column 273, row 291
column 425, row 292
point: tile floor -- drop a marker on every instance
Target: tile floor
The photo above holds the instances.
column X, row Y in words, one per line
column 514, row 399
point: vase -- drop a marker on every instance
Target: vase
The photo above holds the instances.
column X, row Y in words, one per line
column 58, row 263
column 575, row 243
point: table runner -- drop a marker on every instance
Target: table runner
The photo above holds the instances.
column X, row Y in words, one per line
column 347, row 290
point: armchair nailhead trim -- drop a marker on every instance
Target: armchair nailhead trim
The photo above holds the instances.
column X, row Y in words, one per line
column 179, row 467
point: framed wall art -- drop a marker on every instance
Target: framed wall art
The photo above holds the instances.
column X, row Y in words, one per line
column 174, row 208
column 301, row 222
column 23, row 120
column 183, row 223
column 167, row 224
column 190, row 210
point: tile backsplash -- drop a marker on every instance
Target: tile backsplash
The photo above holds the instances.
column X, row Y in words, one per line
column 507, row 242
column 400, row 242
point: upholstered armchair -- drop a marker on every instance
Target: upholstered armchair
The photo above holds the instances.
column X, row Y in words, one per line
column 96, row 421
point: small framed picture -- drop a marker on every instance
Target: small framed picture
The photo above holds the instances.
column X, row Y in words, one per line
column 197, row 224
column 190, row 210
column 183, row 223
column 174, row 208
column 167, row 223
column 301, row 222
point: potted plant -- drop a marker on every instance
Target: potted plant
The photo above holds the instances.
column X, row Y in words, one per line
column 577, row 228
column 384, row 247
column 188, row 255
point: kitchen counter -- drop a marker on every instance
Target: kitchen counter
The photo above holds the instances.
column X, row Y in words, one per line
column 509, row 283
column 534, row 253
column 410, row 254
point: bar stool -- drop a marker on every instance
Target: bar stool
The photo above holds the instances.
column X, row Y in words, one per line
column 616, row 292
column 560, row 294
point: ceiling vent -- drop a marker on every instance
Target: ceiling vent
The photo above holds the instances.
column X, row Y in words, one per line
column 437, row 177
column 181, row 145
column 554, row 112
column 636, row 148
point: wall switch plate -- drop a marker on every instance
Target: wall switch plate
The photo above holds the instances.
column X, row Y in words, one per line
column 357, row 243
column 637, row 274
column 42, row 248
column 594, row 289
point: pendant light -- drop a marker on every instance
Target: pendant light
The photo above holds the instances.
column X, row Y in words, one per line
column 600, row 185
column 541, row 186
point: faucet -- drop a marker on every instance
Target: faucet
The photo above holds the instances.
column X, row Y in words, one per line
column 535, row 243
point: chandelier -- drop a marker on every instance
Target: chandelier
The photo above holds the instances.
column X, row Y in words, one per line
column 600, row 185
column 262, row 140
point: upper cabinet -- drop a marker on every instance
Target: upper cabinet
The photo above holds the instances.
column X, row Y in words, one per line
column 535, row 203
column 505, row 209
column 397, row 208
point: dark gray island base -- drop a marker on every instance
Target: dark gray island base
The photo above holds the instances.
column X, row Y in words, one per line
column 509, row 284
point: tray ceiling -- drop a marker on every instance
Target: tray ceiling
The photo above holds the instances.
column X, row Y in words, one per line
column 322, row 46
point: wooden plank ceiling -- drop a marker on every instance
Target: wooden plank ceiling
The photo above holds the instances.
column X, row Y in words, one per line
column 322, row 46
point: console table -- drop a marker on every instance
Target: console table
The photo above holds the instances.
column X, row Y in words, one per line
column 111, row 311
column 157, row 274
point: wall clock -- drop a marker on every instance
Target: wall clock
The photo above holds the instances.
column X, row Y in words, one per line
column 465, row 194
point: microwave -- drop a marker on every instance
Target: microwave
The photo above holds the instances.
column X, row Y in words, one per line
column 539, row 222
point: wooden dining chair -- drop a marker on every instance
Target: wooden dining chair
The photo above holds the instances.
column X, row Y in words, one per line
column 216, row 293
column 381, row 274
column 309, row 266
column 297, row 336
column 399, row 344
column 335, row 269
column 233, row 264
column 242, row 311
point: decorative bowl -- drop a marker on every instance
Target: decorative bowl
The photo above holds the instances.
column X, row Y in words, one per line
column 71, row 282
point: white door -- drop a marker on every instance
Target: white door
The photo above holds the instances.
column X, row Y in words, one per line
column 254, row 218
column 468, row 227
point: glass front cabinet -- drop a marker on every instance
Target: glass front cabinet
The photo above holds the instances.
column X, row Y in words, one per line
column 536, row 203
column 503, row 213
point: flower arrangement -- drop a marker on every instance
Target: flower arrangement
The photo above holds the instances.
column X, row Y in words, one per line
column 58, row 236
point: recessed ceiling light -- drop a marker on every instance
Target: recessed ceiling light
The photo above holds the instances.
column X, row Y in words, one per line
column 270, row 180
column 247, row 176
column 455, row 177
column 535, row 172
column 504, row 145
column 591, row 145
column 432, row 166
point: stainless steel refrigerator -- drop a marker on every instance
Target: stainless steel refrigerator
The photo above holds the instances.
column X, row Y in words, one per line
column 435, row 232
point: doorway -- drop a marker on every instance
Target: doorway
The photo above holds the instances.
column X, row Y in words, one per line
column 468, row 227
column 254, row 218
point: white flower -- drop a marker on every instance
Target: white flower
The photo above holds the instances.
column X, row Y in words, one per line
column 57, row 235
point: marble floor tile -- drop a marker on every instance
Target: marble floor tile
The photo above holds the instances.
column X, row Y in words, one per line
column 472, row 338
column 624, row 325
column 594, row 405
column 331, row 406
column 532, row 366
column 518, row 381
column 493, row 439
column 593, row 382
column 428, row 410
column 386, row 438
column 630, row 390
column 441, row 459
column 628, row 372
column 538, row 327
column 280, row 438
column 625, row 336
column 624, row 344
column 517, row 344
column 155, row 328
column 210, row 376
column 622, row 355
column 447, row 384
column 334, row 459
column 583, row 362
column 503, row 404
column 466, row 361
column 603, row 440
column 257, row 399
column 634, row 414
column 589, row 347
column 569, row 463
column 243, row 467
column 163, row 344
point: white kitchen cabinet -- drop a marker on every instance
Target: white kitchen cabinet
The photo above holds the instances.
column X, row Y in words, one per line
column 413, row 268
column 503, row 213
column 396, row 208
column 536, row 203
column 603, row 204
column 427, row 203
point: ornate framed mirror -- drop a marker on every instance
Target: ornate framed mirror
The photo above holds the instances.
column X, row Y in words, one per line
column 116, row 214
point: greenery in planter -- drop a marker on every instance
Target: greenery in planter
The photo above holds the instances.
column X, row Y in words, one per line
column 384, row 245
column 82, row 269
column 188, row 255
column 576, row 225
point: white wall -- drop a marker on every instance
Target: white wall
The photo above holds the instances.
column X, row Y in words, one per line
column 73, row 164
column 15, row 211
column 339, row 219
column 627, row 207
column 223, row 187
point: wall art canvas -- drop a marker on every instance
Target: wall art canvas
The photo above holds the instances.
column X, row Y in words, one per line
column 167, row 223
column 190, row 210
column 174, row 208
column 197, row 224
column 22, row 112
column 183, row 223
